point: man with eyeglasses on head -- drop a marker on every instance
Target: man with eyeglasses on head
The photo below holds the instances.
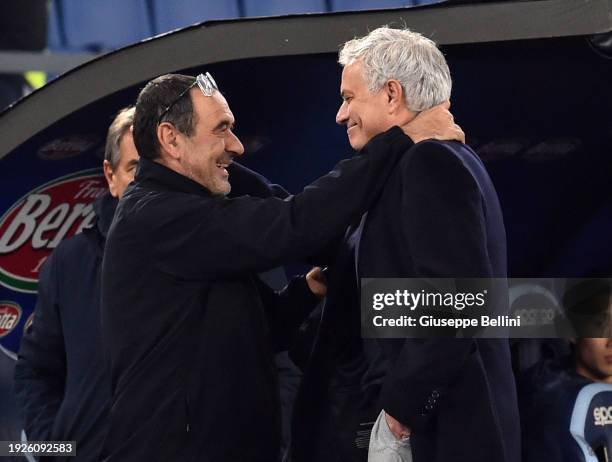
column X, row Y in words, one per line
column 191, row 329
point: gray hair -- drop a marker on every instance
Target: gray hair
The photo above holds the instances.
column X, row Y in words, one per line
column 121, row 125
column 412, row 59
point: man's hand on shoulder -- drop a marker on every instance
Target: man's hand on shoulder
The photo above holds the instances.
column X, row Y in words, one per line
column 435, row 123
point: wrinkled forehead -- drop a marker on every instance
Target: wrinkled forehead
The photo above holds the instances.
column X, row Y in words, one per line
column 211, row 108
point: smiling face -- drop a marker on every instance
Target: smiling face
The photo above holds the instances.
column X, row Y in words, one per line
column 208, row 152
column 365, row 114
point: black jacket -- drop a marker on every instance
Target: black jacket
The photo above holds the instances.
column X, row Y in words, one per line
column 438, row 216
column 61, row 376
column 185, row 317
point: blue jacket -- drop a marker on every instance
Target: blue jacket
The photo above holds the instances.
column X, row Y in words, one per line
column 547, row 397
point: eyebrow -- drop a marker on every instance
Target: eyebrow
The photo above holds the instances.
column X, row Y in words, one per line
column 229, row 122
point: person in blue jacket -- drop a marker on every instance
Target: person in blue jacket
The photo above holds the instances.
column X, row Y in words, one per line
column 551, row 391
column 547, row 397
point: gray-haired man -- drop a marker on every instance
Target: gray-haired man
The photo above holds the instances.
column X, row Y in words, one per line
column 438, row 215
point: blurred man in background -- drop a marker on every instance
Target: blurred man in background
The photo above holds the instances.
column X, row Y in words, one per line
column 549, row 390
column 61, row 376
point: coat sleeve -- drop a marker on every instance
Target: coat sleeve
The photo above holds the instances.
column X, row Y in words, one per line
column 248, row 182
column 41, row 365
column 325, row 256
column 219, row 236
column 443, row 222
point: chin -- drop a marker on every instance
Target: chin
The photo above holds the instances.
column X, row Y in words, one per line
column 357, row 145
column 357, row 141
column 222, row 189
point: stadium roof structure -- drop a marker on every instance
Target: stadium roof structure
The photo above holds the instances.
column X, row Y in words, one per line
column 228, row 40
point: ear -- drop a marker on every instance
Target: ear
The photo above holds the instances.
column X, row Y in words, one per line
column 395, row 95
column 109, row 174
column 169, row 141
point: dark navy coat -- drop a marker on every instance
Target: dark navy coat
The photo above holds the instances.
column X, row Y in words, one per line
column 438, row 216
column 61, row 376
column 548, row 393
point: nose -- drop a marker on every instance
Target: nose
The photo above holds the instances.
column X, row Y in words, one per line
column 234, row 145
column 342, row 115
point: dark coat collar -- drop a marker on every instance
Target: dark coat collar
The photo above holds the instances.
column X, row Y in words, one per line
column 104, row 208
column 152, row 172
